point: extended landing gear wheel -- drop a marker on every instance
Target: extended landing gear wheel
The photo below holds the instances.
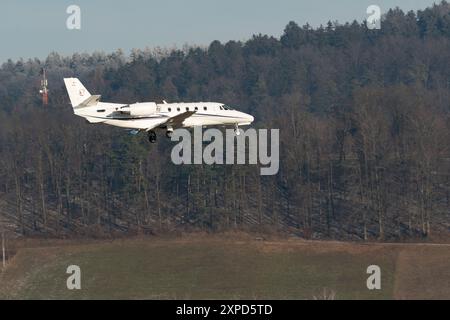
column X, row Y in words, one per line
column 169, row 133
column 236, row 130
column 152, row 136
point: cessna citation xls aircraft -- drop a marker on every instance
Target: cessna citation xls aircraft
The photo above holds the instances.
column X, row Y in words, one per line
column 151, row 116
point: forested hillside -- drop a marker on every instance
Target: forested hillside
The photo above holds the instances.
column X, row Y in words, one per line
column 364, row 133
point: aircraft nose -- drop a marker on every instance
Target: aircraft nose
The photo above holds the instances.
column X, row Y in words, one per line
column 247, row 117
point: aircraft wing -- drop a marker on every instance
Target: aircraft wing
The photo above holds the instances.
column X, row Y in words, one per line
column 178, row 120
column 147, row 124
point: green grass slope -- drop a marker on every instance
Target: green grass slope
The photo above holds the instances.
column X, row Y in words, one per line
column 214, row 269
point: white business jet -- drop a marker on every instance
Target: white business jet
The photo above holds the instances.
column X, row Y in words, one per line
column 151, row 116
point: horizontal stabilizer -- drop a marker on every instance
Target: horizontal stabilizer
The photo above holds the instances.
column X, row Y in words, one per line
column 89, row 102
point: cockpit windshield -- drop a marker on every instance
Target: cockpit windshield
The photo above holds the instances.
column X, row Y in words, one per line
column 225, row 107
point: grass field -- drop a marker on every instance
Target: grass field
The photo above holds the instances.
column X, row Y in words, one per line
column 213, row 268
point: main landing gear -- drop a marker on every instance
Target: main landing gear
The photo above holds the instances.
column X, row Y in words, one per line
column 152, row 136
column 169, row 132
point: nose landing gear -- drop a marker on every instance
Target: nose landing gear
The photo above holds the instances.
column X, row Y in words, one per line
column 236, row 130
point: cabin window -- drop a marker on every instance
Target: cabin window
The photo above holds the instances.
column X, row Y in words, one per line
column 187, row 108
column 101, row 110
column 178, row 109
column 196, row 108
column 169, row 109
column 205, row 108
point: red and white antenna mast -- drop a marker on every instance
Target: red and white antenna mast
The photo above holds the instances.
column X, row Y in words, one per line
column 44, row 88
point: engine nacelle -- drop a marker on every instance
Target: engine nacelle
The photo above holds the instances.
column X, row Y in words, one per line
column 140, row 109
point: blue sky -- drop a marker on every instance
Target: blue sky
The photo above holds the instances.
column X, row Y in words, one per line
column 30, row 28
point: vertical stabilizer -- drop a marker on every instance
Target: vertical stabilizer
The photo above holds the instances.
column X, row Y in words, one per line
column 77, row 92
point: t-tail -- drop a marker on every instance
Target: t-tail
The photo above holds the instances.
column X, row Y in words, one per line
column 79, row 95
